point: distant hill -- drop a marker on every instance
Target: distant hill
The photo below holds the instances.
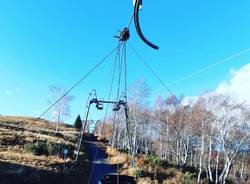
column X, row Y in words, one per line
column 36, row 155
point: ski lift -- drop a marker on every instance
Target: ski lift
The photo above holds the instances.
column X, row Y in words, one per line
column 116, row 107
column 99, row 105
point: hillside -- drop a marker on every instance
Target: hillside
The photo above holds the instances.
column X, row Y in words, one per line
column 151, row 169
column 36, row 155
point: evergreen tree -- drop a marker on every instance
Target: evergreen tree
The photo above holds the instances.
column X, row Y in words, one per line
column 78, row 122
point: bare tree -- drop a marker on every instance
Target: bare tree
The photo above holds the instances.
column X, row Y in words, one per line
column 60, row 110
column 139, row 93
column 211, row 135
column 230, row 124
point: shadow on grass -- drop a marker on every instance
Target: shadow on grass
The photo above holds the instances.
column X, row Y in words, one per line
column 11, row 173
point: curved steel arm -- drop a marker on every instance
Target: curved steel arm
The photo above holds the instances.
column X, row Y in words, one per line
column 137, row 25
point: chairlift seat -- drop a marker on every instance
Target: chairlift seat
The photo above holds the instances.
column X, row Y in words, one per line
column 116, row 107
column 99, row 106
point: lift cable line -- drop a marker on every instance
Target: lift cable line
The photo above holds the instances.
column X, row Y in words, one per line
column 120, row 100
column 99, row 103
column 110, row 90
column 152, row 71
column 130, row 20
column 74, row 86
column 121, row 59
column 123, row 38
column 165, row 87
column 208, row 67
column 157, row 77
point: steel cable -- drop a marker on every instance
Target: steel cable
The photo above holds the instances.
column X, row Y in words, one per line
column 70, row 89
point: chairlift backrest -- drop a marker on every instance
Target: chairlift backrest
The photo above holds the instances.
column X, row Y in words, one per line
column 116, row 107
column 99, row 105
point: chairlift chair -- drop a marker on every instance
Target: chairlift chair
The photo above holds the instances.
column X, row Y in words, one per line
column 94, row 100
column 99, row 105
column 116, row 107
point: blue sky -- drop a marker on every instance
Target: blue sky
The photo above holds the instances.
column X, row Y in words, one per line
column 44, row 42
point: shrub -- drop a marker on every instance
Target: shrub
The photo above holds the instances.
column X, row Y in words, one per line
column 164, row 163
column 188, row 178
column 37, row 148
column 160, row 176
column 176, row 179
column 48, row 148
column 140, row 173
column 206, row 181
column 187, row 168
column 54, row 148
column 153, row 161
column 124, row 150
column 171, row 173
column 49, row 133
column 231, row 180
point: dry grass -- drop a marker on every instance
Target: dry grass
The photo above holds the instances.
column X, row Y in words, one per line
column 174, row 180
column 115, row 157
column 146, row 180
column 127, row 171
column 41, row 124
column 111, row 151
column 12, row 141
column 140, row 161
column 119, row 159
column 39, row 162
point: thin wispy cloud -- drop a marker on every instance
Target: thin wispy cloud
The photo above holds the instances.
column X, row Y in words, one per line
column 9, row 92
column 19, row 89
column 205, row 69
column 12, row 92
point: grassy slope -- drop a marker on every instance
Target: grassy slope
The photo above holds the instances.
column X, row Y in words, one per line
column 16, row 165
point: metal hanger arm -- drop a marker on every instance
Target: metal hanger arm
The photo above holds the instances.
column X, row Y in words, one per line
column 137, row 25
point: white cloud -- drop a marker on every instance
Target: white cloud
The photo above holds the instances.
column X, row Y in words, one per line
column 189, row 100
column 238, row 86
column 9, row 92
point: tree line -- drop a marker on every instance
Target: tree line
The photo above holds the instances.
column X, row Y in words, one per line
column 211, row 134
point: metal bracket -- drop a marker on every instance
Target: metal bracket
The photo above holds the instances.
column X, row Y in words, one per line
column 124, row 35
